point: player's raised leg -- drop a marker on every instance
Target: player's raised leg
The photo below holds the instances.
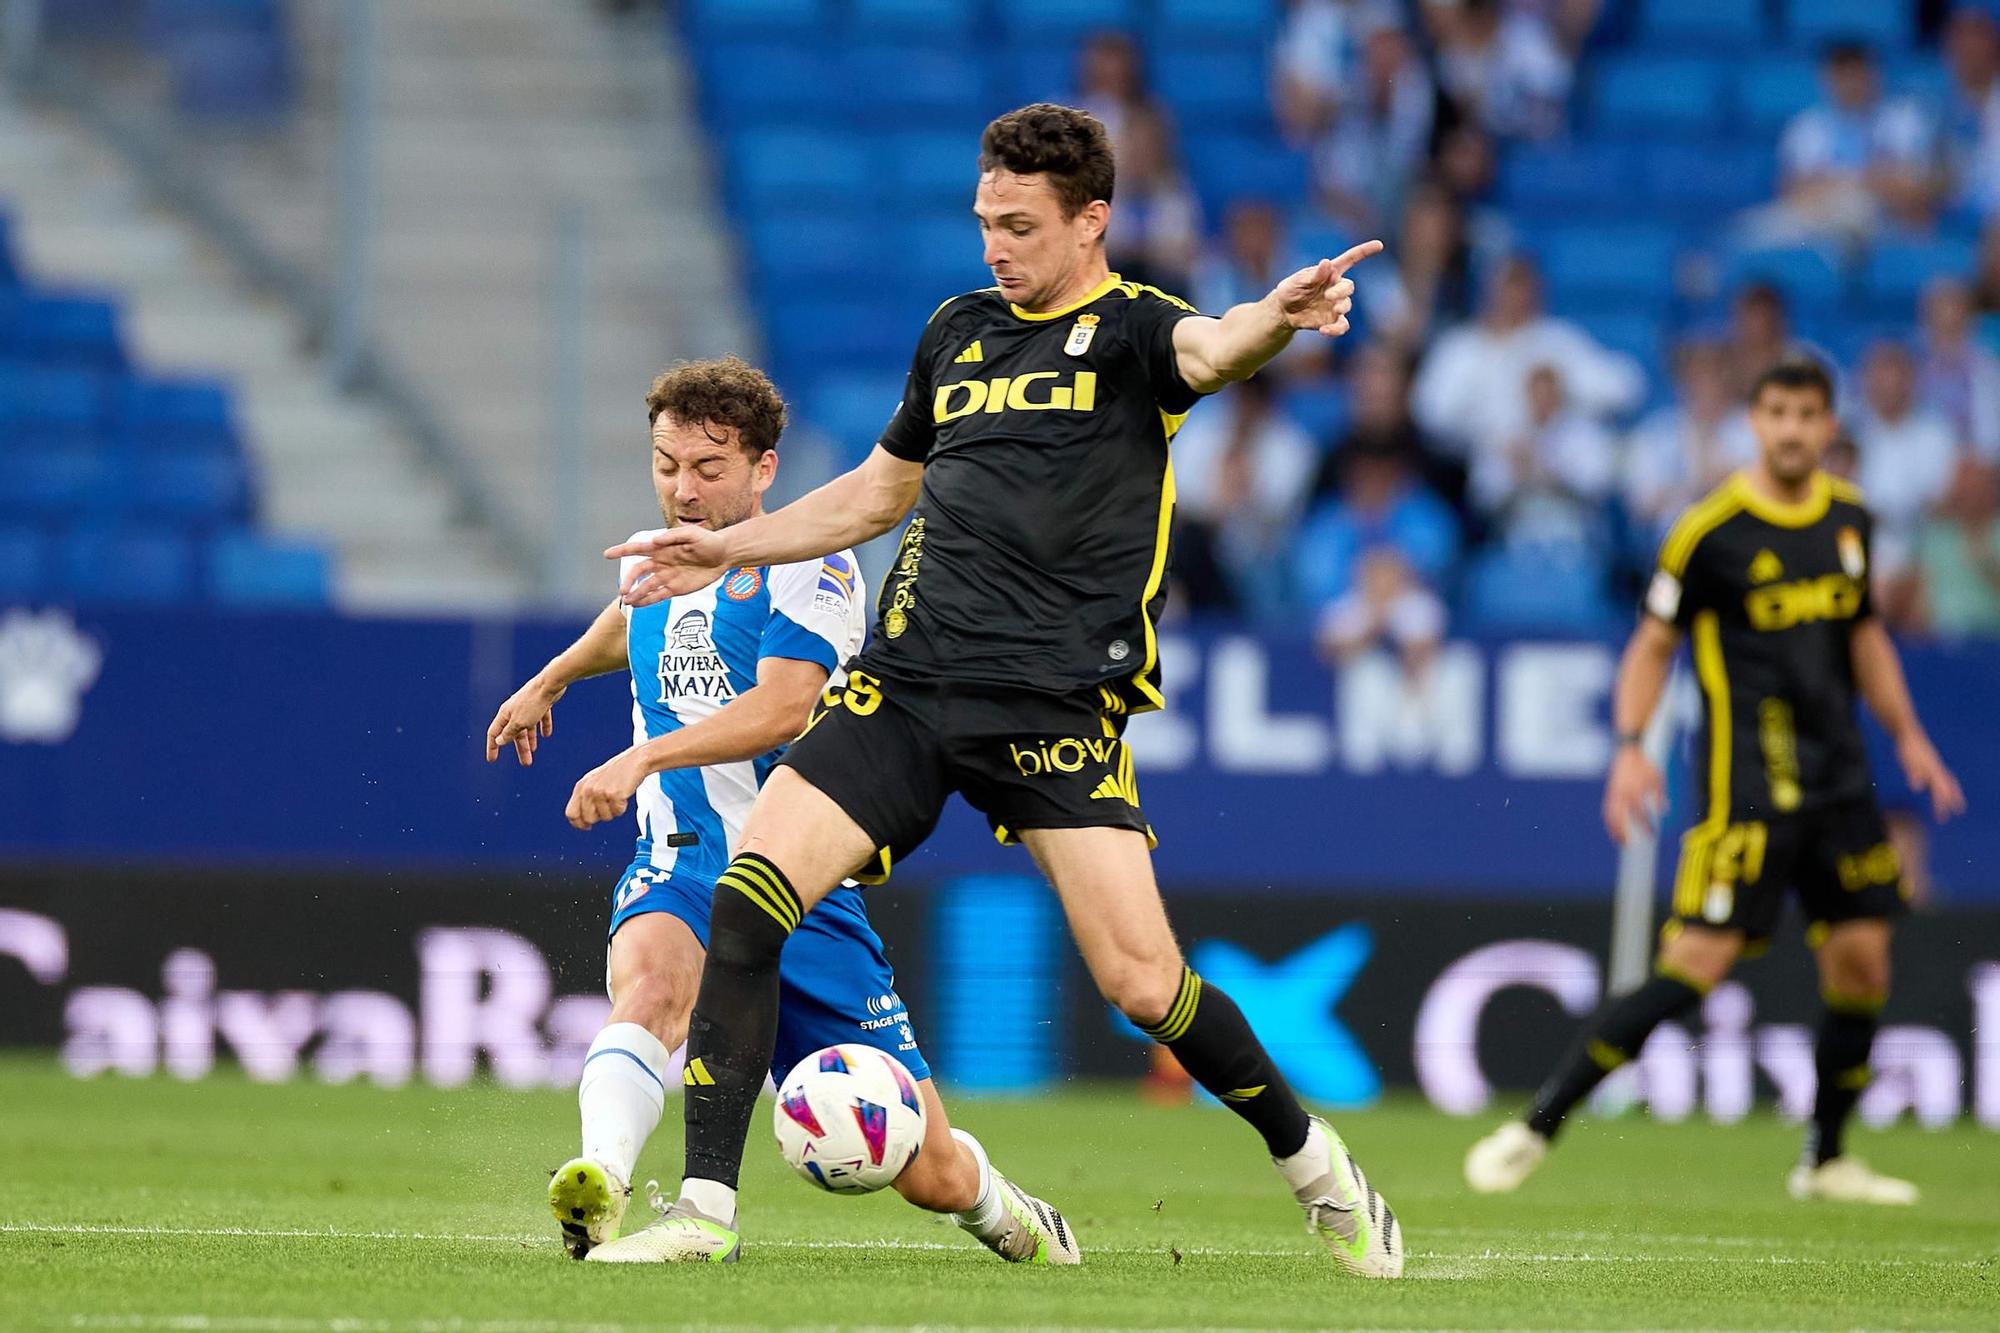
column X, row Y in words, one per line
column 654, row 966
column 1691, row 961
column 1104, row 877
column 1854, row 985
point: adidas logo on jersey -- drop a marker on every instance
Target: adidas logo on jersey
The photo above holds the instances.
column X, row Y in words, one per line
column 974, row 352
column 1766, row 568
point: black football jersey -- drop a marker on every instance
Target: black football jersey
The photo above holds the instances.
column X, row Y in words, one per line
column 1770, row 594
column 1037, row 552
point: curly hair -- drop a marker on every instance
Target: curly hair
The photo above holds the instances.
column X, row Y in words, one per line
column 727, row 391
column 1068, row 146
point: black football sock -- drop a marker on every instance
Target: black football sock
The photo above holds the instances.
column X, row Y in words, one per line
column 1613, row 1038
column 1840, row 1058
column 1210, row 1037
column 735, row 1022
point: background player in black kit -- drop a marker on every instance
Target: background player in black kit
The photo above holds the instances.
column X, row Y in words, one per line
column 1015, row 636
column 1769, row 577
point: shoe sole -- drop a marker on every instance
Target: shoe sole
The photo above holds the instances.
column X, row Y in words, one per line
column 580, row 1193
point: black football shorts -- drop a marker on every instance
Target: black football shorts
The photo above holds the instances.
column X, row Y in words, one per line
column 1837, row 859
column 890, row 752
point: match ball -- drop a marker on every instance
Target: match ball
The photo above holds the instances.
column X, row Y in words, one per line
column 849, row 1119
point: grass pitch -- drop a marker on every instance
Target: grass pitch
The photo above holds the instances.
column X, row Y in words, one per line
column 227, row 1206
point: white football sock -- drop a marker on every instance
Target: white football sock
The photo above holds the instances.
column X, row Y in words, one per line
column 987, row 1212
column 710, row 1198
column 622, row 1092
column 1309, row 1163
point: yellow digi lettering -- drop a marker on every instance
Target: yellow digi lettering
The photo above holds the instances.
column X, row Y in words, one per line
column 1783, row 606
column 1015, row 393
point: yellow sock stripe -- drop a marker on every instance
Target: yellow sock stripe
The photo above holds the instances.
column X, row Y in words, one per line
column 757, row 884
column 1235, row 1095
column 1175, row 1025
column 1605, row 1055
column 1862, row 1006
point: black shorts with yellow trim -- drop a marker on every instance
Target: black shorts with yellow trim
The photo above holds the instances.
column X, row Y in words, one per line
column 891, row 752
column 1837, row 859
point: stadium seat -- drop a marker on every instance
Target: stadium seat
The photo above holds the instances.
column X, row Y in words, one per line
column 930, row 85
column 127, row 566
column 185, row 487
column 248, row 569
column 766, row 85
column 24, row 563
column 810, row 333
column 1704, row 182
column 236, row 74
column 1808, row 278
column 788, row 249
column 1701, row 25
column 926, row 170
column 1771, row 91
column 1041, row 18
column 1895, row 272
column 1035, row 70
column 1321, row 408
column 1215, row 90
column 1568, row 180
column 1658, row 96
column 1543, row 589
column 179, row 413
column 939, row 256
column 1601, row 264
column 1637, row 334
column 914, row 18
column 1239, row 22
column 795, row 169
column 60, row 405
column 62, row 330
column 854, row 406
column 38, row 481
column 9, row 275
column 760, row 18
column 1884, row 24
column 1223, row 167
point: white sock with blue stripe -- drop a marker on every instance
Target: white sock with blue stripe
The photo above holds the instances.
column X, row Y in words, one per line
column 621, row 1096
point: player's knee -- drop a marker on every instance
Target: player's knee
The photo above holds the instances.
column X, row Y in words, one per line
column 1143, row 992
column 658, row 1001
column 1701, row 957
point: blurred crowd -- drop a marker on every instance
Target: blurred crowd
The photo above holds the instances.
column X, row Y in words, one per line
column 1372, row 488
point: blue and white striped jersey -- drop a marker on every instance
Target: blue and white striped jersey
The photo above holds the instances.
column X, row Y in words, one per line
column 692, row 654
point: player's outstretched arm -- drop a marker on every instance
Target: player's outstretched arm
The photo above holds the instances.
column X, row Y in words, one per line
column 768, row 714
column 1213, row 352
column 854, row 507
column 1878, row 674
column 1634, row 792
column 530, row 714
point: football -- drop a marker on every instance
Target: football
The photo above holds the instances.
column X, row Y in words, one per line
column 848, row 1119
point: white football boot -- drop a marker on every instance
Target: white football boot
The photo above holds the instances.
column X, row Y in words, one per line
column 1849, row 1180
column 588, row 1202
column 683, row 1235
column 1035, row 1232
column 1498, row 1163
column 1349, row 1217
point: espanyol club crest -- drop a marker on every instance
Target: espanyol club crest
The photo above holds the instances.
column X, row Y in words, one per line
column 740, row 585
column 1080, row 335
column 1853, row 558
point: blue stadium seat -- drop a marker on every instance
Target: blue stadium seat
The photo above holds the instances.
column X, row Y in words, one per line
column 927, row 170
column 787, row 249
column 1658, row 96
column 914, row 18
column 1771, row 91
column 1631, row 264
column 1546, row 589
column 24, row 563
column 1021, row 18
column 234, row 74
column 38, row 481
column 938, row 256
column 10, row 276
column 1223, row 167
column 251, row 570
column 1569, row 180
column 174, row 413
column 929, row 85
column 68, row 405
column 1636, row 334
column 1809, row 280
column 780, row 169
column 186, row 487
column 854, row 406
column 164, row 19
column 1895, row 272
column 759, row 18
column 1702, row 25
column 1237, row 22
column 809, row 333
column 1322, row 409
column 766, row 85
column 62, row 330
column 1036, row 70
column 1885, row 24
column 127, row 566
column 1706, row 182
column 1214, row 90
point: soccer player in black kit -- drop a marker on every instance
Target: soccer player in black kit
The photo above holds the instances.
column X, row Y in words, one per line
column 1014, row 638
column 1768, row 576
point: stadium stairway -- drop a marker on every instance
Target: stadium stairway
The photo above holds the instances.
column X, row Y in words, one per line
column 492, row 117
column 328, row 467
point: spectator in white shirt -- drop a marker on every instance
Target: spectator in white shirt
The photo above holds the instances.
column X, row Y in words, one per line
column 1473, row 385
column 1907, row 453
column 1380, row 135
column 1544, row 482
column 1111, row 83
column 1969, row 119
column 1853, row 164
column 1957, row 377
column 1680, row 452
column 1502, row 68
column 1389, row 607
column 1315, row 59
column 1156, row 227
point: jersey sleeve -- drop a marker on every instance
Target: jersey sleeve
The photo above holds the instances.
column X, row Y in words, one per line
column 1674, row 594
column 1152, row 317
column 911, row 430
column 810, row 601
